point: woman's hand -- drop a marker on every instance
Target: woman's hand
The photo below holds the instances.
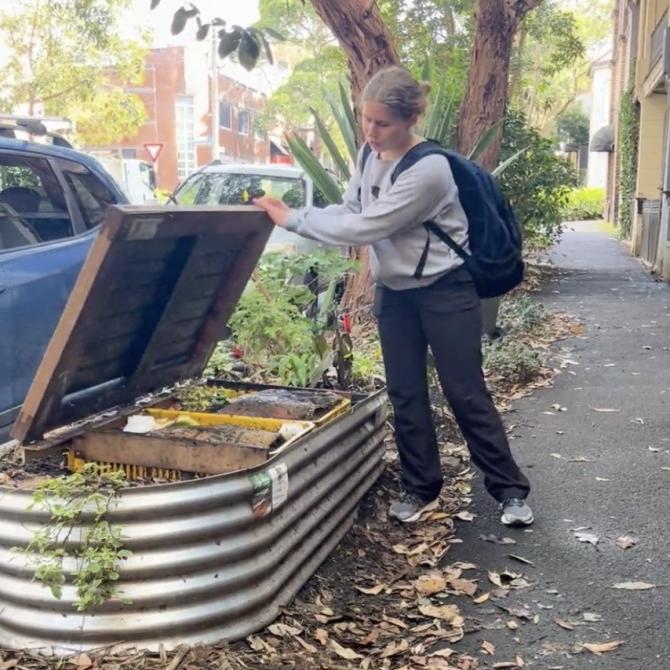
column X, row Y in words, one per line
column 276, row 208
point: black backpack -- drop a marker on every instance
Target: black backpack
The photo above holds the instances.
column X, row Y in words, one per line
column 495, row 260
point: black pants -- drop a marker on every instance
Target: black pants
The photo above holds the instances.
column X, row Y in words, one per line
column 447, row 317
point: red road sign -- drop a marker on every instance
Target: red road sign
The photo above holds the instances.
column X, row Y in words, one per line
column 154, row 149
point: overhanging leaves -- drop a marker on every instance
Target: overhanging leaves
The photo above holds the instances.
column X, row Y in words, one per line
column 331, row 146
column 322, row 180
column 249, row 50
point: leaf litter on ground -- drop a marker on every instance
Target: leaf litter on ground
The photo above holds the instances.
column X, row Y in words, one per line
column 379, row 598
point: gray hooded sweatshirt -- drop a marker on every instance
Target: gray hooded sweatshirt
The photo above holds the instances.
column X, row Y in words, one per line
column 390, row 217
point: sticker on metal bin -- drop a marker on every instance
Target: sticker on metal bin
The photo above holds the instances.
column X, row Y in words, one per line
column 269, row 489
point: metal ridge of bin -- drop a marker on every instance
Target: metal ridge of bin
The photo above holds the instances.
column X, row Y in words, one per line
column 203, row 567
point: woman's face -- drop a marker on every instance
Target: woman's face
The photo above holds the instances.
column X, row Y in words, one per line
column 384, row 131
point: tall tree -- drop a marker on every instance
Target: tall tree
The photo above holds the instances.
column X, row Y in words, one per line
column 66, row 58
column 360, row 29
column 485, row 103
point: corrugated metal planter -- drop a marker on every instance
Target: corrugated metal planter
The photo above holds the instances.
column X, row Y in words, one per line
column 215, row 557
column 203, row 567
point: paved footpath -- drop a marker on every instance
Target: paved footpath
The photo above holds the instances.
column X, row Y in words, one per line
column 604, row 473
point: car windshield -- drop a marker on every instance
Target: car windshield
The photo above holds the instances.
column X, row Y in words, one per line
column 225, row 188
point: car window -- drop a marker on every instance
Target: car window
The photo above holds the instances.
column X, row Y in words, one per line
column 92, row 196
column 236, row 189
column 33, row 208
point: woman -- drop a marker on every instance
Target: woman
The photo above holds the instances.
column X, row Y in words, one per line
column 440, row 309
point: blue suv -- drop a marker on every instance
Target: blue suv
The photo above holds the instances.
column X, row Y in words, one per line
column 52, row 200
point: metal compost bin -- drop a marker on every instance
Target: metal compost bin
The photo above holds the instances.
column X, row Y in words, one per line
column 208, row 562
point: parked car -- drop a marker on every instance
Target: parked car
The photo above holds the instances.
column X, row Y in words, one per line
column 236, row 184
column 52, row 199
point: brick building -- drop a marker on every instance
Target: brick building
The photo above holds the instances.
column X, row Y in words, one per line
column 176, row 94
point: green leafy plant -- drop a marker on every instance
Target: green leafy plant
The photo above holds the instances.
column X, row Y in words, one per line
column 583, row 204
column 539, row 182
column 519, row 314
column 280, row 324
column 628, row 138
column 512, row 360
column 78, row 534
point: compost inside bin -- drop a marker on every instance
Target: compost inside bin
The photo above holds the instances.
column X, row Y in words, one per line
column 276, row 403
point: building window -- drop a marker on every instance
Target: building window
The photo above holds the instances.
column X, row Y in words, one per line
column 243, row 122
column 185, row 136
column 225, row 115
column 128, row 153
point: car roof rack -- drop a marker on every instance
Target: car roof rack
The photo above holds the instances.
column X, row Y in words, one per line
column 33, row 125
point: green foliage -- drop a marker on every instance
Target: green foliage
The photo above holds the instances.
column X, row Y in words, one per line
column 519, row 314
column 272, row 323
column 583, row 204
column 629, row 137
column 441, row 28
column 538, row 183
column 60, row 55
column 78, row 505
column 368, row 366
column 572, row 127
column 512, row 360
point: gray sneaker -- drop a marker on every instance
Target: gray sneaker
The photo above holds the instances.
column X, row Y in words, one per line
column 516, row 512
column 410, row 507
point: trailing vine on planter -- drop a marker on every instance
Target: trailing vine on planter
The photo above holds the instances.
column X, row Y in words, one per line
column 629, row 133
column 79, row 531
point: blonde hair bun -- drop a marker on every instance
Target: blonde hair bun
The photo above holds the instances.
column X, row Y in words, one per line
column 395, row 88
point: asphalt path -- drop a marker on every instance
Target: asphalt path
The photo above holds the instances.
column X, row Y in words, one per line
column 596, row 447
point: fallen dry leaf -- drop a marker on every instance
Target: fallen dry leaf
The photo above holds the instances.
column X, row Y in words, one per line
column 283, row 630
column 634, row 586
column 445, row 612
column 344, row 652
column 590, row 538
column 321, row 634
column 430, row 583
column 497, row 540
column 463, row 586
column 83, row 661
column 564, row 624
column 591, row 617
column 442, row 653
column 465, row 516
column 521, row 559
column 602, row 647
column 481, row 599
column 310, row 648
column 604, row 409
column 488, row 648
column 626, row 542
column 520, row 662
column 512, row 625
column 371, row 591
column 395, row 647
column 259, row 644
column 494, row 578
column 395, row 622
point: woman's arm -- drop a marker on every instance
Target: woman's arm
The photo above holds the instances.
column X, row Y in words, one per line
column 418, row 195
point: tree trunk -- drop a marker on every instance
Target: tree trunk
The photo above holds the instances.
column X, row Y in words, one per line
column 368, row 44
column 361, row 32
column 485, row 104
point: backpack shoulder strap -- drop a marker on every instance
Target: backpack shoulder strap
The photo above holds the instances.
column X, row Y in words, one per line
column 416, row 153
column 367, row 150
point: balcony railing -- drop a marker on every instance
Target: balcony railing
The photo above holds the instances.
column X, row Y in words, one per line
column 657, row 40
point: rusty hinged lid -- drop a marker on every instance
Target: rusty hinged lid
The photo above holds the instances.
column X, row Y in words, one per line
column 149, row 305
